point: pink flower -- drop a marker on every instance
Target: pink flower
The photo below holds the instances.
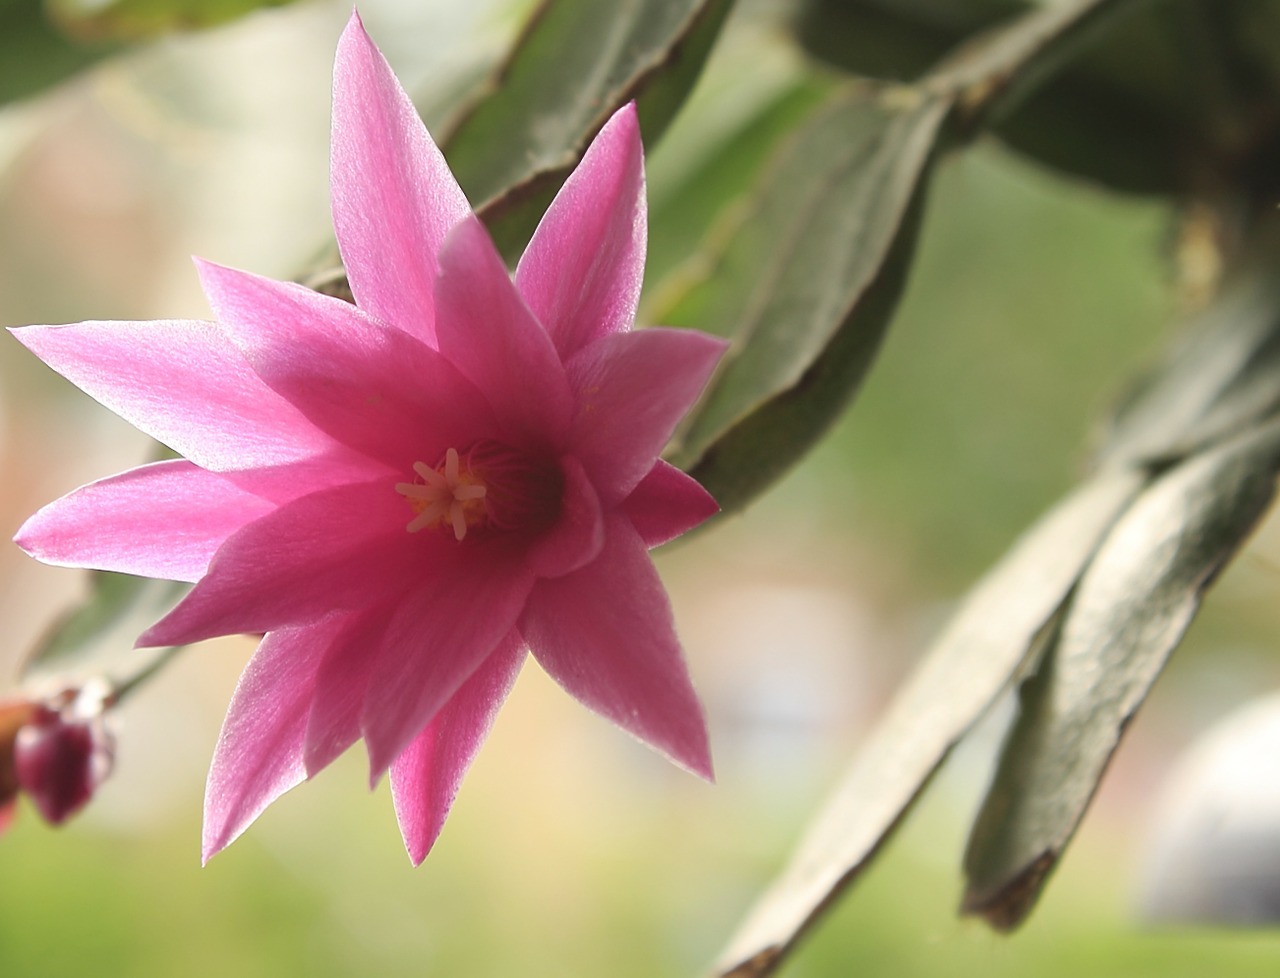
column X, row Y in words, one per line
column 408, row 494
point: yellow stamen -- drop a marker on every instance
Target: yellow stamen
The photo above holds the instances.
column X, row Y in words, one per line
column 451, row 494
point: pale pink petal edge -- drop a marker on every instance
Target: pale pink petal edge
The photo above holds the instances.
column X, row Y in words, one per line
column 425, row 778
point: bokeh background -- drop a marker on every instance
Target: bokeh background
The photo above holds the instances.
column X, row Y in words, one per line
column 572, row 850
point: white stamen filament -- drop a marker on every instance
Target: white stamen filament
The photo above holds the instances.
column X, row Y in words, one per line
column 442, row 496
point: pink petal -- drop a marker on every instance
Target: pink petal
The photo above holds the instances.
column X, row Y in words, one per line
column 163, row 520
column 487, row 331
column 338, row 549
column 578, row 534
column 341, row 682
column 259, row 752
column 605, row 634
column 183, row 383
column 460, row 610
column 394, row 199
column 581, row 273
column 633, row 388
column 666, row 504
column 366, row 384
column 426, row 776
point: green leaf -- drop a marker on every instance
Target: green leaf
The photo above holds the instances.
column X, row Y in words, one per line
column 125, row 20
column 96, row 638
column 755, row 92
column 576, row 62
column 1254, row 30
column 1223, row 377
column 34, row 54
column 1155, row 107
column 815, row 267
column 1177, row 91
column 999, row 50
column 1129, row 612
column 807, row 285
column 989, row 639
column 997, row 70
column 893, row 39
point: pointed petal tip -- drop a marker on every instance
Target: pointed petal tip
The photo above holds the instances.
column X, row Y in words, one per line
column 153, row 638
column 418, row 850
column 378, row 765
column 468, row 233
column 204, row 267
column 705, row 770
column 694, row 758
column 354, row 37
column 23, row 537
column 214, row 838
column 355, row 24
column 626, row 118
column 32, row 537
column 28, row 336
column 144, row 641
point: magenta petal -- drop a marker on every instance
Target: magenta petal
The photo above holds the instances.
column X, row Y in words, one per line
column 582, row 271
column 341, row 681
column 578, row 534
column 667, row 503
column 163, row 520
column 183, row 383
column 333, row 550
column 394, row 199
column 633, row 388
column 259, row 752
column 605, row 633
column 485, row 328
column 366, row 384
column 426, row 776
column 457, row 615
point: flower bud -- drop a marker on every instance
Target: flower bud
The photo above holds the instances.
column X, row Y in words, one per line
column 61, row 754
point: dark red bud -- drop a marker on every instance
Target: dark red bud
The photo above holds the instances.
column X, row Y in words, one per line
column 59, row 762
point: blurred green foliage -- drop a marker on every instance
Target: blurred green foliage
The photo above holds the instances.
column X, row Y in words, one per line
column 34, row 54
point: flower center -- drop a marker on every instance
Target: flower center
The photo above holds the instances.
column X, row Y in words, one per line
column 452, row 494
column 486, row 487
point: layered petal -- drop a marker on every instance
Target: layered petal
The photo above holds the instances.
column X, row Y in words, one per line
column 394, row 199
column 338, row 549
column 162, row 520
column 605, row 633
column 461, row 608
column 369, row 386
column 578, row 534
column 667, row 503
column 259, row 753
column 485, row 328
column 186, row 385
column 582, row 271
column 342, row 681
column 426, row 776
column 632, row 389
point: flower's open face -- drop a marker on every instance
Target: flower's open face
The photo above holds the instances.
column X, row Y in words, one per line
column 408, row 494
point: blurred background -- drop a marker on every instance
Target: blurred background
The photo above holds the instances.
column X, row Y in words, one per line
column 572, row 850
